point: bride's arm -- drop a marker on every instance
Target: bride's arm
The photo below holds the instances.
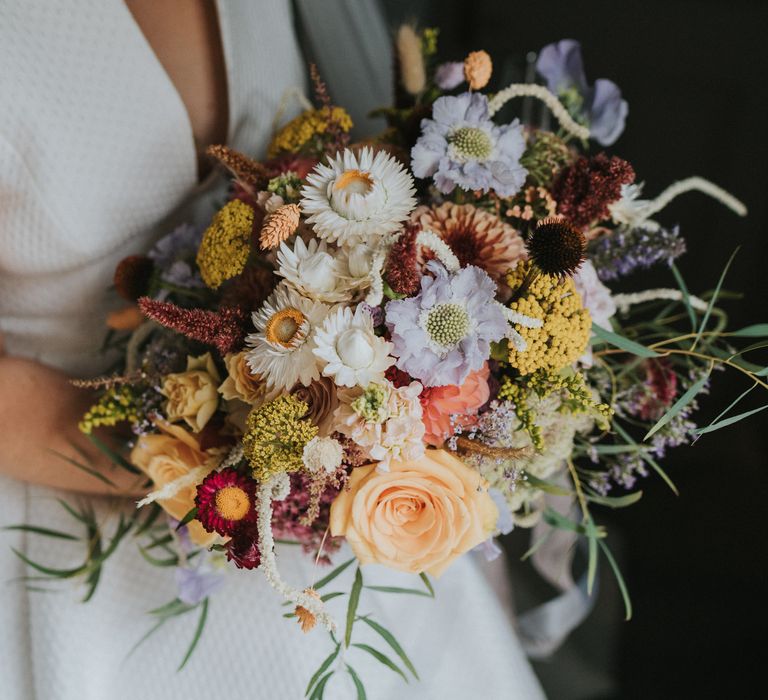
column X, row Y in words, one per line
column 39, row 411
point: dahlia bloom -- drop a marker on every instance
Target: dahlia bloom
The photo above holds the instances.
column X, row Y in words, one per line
column 599, row 105
column 447, row 407
column 445, row 332
column 461, row 146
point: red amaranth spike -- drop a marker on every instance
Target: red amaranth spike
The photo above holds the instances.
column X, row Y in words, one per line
column 223, row 328
column 403, row 274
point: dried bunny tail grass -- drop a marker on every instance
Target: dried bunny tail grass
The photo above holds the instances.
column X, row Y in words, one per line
column 541, row 93
column 624, row 301
column 191, row 478
column 694, row 184
column 433, row 242
column 413, row 74
column 467, row 445
column 279, row 226
column 311, row 604
column 245, row 169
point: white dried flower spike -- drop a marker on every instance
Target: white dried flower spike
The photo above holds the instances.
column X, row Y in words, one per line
column 323, row 454
column 431, row 241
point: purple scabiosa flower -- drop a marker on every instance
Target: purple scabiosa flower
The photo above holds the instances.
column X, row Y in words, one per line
column 599, row 105
column 449, row 75
column 445, row 332
column 461, row 146
column 173, row 255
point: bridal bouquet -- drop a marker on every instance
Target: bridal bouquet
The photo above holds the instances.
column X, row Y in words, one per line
column 408, row 344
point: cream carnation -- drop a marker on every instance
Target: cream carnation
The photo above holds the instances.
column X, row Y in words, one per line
column 355, row 197
column 354, row 354
column 323, row 453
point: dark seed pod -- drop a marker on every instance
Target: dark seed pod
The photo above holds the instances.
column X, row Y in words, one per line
column 556, row 247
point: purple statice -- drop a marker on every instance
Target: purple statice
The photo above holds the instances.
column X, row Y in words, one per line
column 449, row 75
column 628, row 249
column 599, row 105
column 623, row 470
column 461, row 146
column 445, row 332
column 173, row 255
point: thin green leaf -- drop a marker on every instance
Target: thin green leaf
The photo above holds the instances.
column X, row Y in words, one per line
column 354, row 599
column 621, row 342
column 591, row 563
column 323, row 668
column 616, row 449
column 317, row 694
column 156, row 561
column 188, row 518
column 78, row 516
column 56, row 573
column 648, row 459
column 382, row 658
column 679, row 405
column 686, row 295
column 555, row 519
column 95, row 473
column 712, row 301
column 198, row 632
column 535, row 546
column 619, row 580
column 44, row 531
column 758, row 330
column 397, row 589
column 172, row 609
column 358, row 683
column 147, row 635
column 616, row 501
column 546, row 486
column 729, row 421
column 154, row 511
column 389, row 639
column 112, row 455
column 338, row 570
column 730, row 406
column 428, row 584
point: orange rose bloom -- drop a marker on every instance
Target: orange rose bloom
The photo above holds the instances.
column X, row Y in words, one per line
column 419, row 516
column 445, row 407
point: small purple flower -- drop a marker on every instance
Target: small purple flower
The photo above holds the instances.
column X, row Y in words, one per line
column 461, row 146
column 489, row 549
column 600, row 105
column 194, row 584
column 173, row 255
column 449, row 75
column 445, row 332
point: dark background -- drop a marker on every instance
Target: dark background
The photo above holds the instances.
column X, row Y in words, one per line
column 694, row 74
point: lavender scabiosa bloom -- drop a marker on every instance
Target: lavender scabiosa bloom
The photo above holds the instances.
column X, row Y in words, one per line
column 599, row 105
column 449, row 75
column 445, row 332
column 172, row 255
column 461, row 146
column 626, row 250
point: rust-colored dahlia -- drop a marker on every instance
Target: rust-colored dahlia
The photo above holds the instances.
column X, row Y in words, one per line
column 476, row 237
column 225, row 501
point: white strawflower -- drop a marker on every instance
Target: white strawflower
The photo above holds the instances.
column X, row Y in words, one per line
column 354, row 354
column 282, row 348
column 323, row 453
column 355, row 197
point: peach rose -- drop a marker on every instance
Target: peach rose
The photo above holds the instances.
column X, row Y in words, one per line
column 241, row 383
column 418, row 516
column 192, row 395
column 166, row 457
column 446, row 407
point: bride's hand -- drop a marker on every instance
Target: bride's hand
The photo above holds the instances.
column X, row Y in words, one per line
column 39, row 412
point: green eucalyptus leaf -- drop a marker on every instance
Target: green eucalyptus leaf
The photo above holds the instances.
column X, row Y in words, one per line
column 390, row 639
column 198, row 633
column 44, row 531
column 354, row 599
column 338, row 570
column 323, row 668
column 382, row 658
column 359, row 687
column 621, row 342
column 679, row 405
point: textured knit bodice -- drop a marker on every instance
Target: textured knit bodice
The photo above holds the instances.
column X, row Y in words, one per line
column 97, row 159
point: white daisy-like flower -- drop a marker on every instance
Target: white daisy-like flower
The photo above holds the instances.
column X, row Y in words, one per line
column 282, row 348
column 354, row 354
column 355, row 197
column 316, row 271
column 323, row 454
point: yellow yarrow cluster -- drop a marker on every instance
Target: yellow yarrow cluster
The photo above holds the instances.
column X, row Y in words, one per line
column 300, row 131
column 226, row 244
column 564, row 335
column 115, row 406
column 275, row 436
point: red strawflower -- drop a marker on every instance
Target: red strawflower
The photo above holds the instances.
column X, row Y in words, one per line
column 225, row 500
column 243, row 547
column 584, row 190
column 224, row 328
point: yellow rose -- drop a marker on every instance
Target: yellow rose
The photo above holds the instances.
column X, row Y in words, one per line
column 417, row 517
column 192, row 395
column 166, row 457
column 241, row 383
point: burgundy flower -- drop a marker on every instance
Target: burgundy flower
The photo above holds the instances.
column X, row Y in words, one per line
column 403, row 273
column 225, row 500
column 584, row 190
column 243, row 548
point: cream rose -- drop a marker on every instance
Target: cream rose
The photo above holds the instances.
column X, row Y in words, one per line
column 166, row 457
column 192, row 395
column 418, row 516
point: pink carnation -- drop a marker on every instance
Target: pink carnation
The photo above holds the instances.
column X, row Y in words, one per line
column 447, row 407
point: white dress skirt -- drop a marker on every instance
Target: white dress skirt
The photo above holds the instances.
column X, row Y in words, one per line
column 96, row 161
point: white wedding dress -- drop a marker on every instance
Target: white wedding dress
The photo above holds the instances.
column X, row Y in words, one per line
column 97, row 160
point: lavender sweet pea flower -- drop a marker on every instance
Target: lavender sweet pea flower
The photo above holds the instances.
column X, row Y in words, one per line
column 461, row 146
column 194, row 584
column 449, row 75
column 445, row 332
column 600, row 105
